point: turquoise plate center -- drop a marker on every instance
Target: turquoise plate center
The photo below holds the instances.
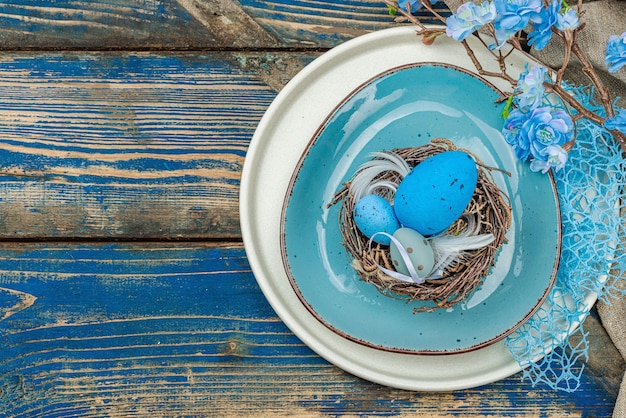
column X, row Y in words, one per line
column 407, row 107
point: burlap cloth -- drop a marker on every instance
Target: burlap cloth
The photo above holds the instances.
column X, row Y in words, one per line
column 604, row 18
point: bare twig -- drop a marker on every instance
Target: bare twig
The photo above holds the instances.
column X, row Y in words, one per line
column 405, row 13
column 502, row 74
column 568, row 41
column 621, row 138
column 603, row 91
column 571, row 101
column 427, row 6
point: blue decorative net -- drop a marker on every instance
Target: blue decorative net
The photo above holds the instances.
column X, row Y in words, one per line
column 552, row 346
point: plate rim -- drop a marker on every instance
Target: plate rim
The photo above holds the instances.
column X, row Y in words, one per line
column 403, row 371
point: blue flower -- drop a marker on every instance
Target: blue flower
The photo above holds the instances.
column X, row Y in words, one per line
column 531, row 133
column 542, row 25
column 553, row 157
column 415, row 4
column 468, row 18
column 511, row 131
column 530, row 86
column 618, row 122
column 615, row 57
column 512, row 16
column 567, row 20
column 546, row 126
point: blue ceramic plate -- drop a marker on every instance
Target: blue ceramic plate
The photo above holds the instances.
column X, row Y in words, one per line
column 408, row 106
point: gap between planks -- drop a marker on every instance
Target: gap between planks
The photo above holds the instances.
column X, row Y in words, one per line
column 157, row 50
column 220, row 240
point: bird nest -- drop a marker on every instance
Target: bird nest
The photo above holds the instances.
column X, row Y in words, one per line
column 488, row 211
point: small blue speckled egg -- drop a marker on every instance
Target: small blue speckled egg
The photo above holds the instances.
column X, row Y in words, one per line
column 417, row 248
column 372, row 214
column 436, row 192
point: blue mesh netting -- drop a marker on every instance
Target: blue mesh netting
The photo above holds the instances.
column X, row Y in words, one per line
column 593, row 258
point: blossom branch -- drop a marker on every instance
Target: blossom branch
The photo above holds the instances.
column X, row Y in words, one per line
column 571, row 101
column 621, row 138
column 502, row 74
column 504, row 21
column 568, row 40
column 427, row 6
column 393, row 5
column 603, row 91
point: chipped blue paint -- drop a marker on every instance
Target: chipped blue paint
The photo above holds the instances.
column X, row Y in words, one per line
column 165, row 126
column 165, row 23
column 103, row 309
column 114, row 23
column 347, row 18
column 187, row 318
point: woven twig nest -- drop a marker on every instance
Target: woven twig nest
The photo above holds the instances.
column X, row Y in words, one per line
column 489, row 206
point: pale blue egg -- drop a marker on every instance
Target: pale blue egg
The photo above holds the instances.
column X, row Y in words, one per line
column 436, row 192
column 418, row 249
column 373, row 214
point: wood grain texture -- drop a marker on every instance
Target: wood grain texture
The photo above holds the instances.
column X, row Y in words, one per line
column 323, row 22
column 113, row 24
column 187, row 24
column 129, row 145
column 229, row 24
column 183, row 330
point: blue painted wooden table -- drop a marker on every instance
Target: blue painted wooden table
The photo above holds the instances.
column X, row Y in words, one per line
column 124, row 285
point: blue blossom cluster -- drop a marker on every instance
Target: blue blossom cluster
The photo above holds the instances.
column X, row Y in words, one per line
column 536, row 129
column 617, row 123
column 615, row 57
column 511, row 16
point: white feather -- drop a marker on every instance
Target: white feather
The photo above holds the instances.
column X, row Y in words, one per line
column 382, row 184
column 381, row 162
column 450, row 248
column 451, row 243
column 400, row 166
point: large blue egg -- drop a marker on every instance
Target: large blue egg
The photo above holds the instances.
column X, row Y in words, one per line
column 373, row 214
column 436, row 192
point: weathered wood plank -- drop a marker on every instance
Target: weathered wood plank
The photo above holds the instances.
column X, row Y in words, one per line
column 186, row 24
column 323, row 22
column 99, row 25
column 129, row 145
column 229, row 24
column 183, row 330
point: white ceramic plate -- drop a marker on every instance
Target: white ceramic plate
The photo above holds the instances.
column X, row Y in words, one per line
column 281, row 138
